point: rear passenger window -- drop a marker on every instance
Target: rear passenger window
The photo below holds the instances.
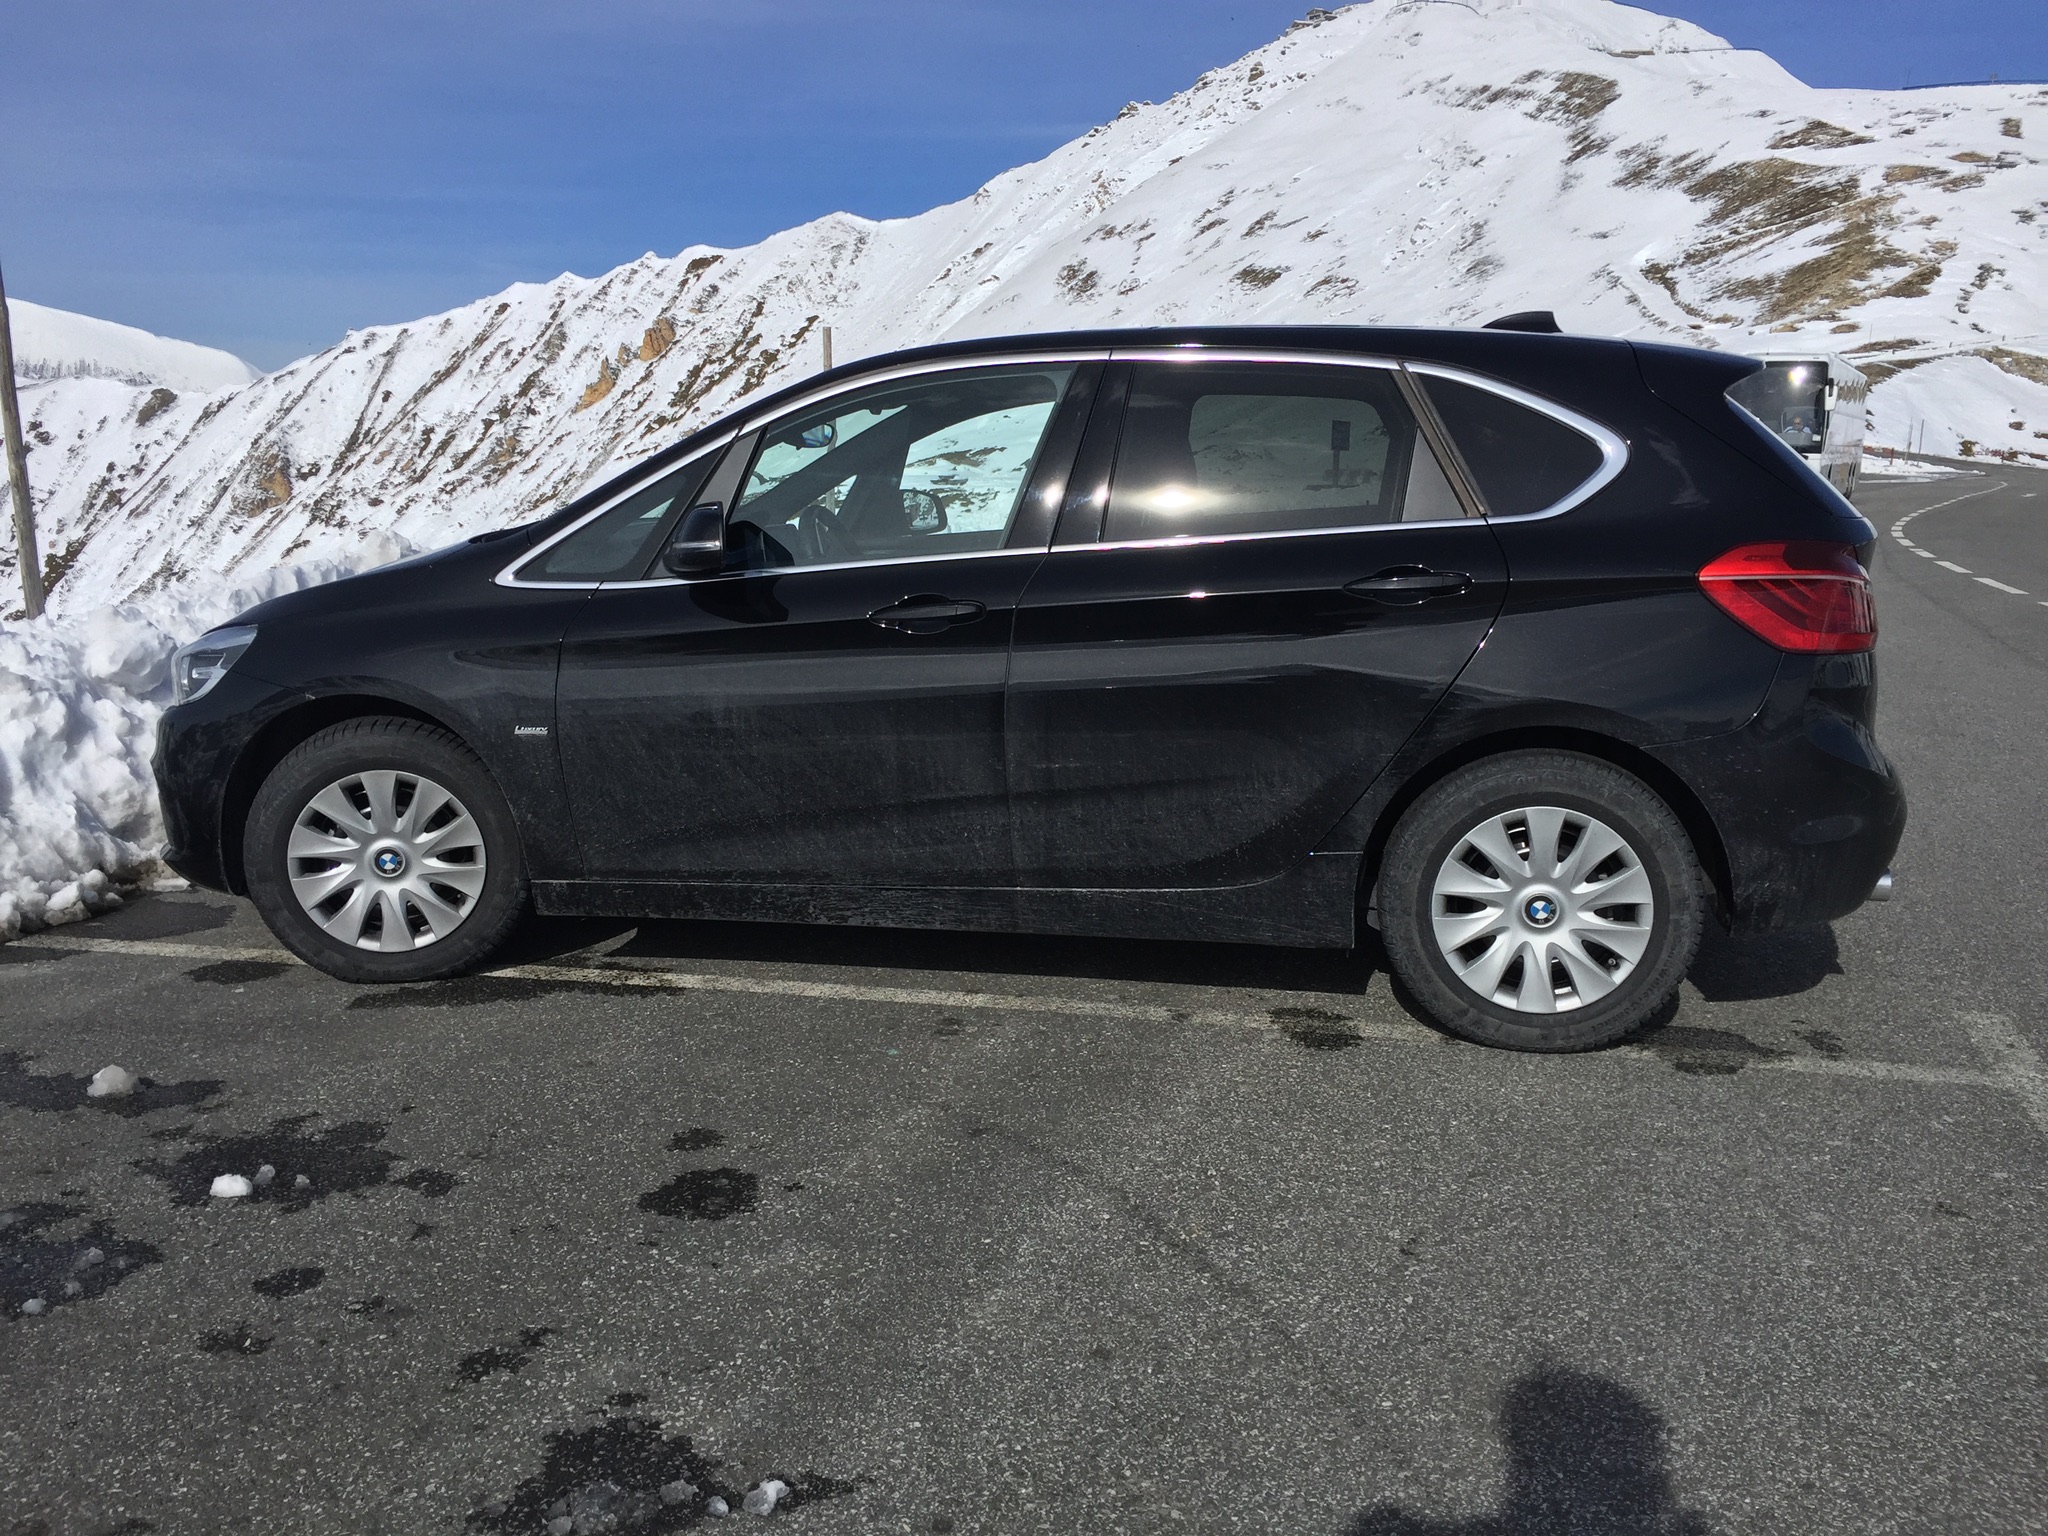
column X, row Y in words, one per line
column 1213, row 449
column 1522, row 460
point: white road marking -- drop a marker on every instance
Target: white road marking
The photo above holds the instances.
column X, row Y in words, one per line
column 1899, row 533
column 2012, row 1059
column 2015, row 1069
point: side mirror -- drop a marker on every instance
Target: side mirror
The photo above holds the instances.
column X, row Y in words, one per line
column 697, row 547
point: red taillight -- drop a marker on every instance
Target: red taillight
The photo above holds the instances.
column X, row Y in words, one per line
column 1804, row 596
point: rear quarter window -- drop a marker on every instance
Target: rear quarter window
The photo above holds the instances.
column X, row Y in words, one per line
column 1521, row 459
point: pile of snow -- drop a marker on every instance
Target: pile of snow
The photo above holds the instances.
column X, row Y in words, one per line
column 1393, row 162
column 56, row 344
column 79, row 699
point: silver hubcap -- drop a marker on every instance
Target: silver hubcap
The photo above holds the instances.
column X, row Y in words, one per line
column 386, row 860
column 1542, row 910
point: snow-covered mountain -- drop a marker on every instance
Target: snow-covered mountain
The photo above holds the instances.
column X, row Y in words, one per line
column 56, row 344
column 1409, row 161
column 1403, row 161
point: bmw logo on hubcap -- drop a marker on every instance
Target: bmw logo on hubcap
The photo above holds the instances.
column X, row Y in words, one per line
column 1541, row 911
column 390, row 863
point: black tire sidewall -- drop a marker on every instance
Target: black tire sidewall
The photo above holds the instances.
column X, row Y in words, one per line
column 360, row 746
column 1442, row 817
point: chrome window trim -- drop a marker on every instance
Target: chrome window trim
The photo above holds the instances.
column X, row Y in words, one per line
column 1192, row 540
column 805, row 570
column 1193, row 353
column 1613, row 449
column 505, row 578
column 800, row 404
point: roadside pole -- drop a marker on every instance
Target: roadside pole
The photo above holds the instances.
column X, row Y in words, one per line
column 17, row 473
column 828, row 349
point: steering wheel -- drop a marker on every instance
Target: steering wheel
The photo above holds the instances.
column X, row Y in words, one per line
column 820, row 538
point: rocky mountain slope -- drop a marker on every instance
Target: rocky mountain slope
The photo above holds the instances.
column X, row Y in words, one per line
column 1404, row 161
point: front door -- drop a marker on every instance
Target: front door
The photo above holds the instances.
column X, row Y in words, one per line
column 1283, row 586
column 829, row 709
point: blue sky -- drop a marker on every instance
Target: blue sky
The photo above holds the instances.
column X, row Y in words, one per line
column 264, row 174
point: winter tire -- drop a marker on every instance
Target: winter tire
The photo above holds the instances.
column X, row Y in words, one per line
column 1542, row 901
column 380, row 850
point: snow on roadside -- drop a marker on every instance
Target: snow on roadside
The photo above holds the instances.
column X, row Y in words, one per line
column 79, row 701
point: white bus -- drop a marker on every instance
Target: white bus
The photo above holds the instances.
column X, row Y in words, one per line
column 1815, row 402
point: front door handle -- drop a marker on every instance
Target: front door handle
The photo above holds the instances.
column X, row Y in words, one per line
column 926, row 614
column 1409, row 584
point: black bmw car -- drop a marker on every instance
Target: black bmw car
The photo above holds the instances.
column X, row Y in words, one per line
column 1532, row 652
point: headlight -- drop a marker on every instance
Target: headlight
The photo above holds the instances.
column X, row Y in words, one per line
column 198, row 666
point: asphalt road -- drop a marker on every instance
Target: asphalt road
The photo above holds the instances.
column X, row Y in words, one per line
column 991, row 1235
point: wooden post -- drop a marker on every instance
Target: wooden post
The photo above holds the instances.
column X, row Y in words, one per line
column 17, row 473
column 828, row 349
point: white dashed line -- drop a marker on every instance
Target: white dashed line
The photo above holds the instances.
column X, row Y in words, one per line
column 1899, row 533
column 2014, row 1060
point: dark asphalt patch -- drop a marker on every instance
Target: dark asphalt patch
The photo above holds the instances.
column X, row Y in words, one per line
column 1584, row 1454
column 1708, row 1052
column 431, row 1182
column 1316, row 1029
column 698, row 1138
column 152, row 919
column 1824, row 1042
column 345, row 1159
column 290, row 1282
column 236, row 973
column 496, row 1359
column 485, row 992
column 239, row 1339
column 57, row 1091
column 610, row 1476
column 61, row 1270
column 704, row 1194
column 26, row 953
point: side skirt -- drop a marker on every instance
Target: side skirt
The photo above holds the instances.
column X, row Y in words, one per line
column 1311, row 906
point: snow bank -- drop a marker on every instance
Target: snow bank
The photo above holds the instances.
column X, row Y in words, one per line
column 79, row 700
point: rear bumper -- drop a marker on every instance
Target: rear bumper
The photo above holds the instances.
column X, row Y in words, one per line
column 1808, row 808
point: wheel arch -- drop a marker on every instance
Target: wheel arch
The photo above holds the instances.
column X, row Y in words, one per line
column 271, row 745
column 1687, row 806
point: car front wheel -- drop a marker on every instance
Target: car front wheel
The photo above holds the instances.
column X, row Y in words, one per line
column 381, row 850
column 1543, row 901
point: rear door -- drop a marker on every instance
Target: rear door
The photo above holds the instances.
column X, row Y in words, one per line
column 1282, row 585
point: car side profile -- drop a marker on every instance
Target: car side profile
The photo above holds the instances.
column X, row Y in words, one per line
column 1534, row 652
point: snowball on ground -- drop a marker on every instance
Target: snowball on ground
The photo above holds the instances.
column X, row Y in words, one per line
column 111, row 1082
column 231, row 1186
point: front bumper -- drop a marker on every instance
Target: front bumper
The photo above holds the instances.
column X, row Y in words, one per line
column 1808, row 808
column 199, row 749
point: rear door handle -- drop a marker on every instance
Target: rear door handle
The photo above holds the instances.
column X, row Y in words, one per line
column 926, row 614
column 1409, row 584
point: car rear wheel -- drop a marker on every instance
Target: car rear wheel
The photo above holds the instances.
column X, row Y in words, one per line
column 380, row 849
column 1543, row 901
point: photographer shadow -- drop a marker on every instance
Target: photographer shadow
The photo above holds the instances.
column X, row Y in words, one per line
column 1586, row 1457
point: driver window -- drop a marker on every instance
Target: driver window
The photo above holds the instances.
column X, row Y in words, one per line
column 930, row 466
